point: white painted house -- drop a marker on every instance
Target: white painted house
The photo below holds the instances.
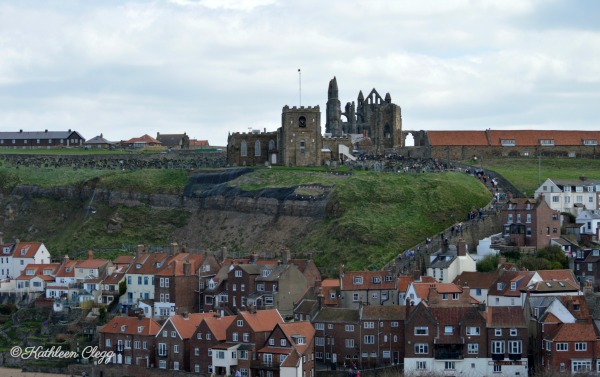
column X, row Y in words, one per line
column 26, row 253
column 590, row 220
column 570, row 195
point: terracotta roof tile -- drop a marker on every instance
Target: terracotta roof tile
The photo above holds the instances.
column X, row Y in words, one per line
column 132, row 324
column 574, row 332
column 505, row 316
column 437, row 138
column 218, row 325
column 26, row 249
column 262, row 320
column 304, row 329
column 564, row 274
column 481, row 280
column 187, row 325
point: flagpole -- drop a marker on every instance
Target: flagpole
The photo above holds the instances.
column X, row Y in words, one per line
column 300, row 86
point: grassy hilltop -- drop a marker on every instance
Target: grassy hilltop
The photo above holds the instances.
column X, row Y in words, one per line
column 376, row 215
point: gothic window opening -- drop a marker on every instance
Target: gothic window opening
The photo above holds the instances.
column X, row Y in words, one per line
column 257, row 148
column 271, row 145
column 302, row 146
column 244, row 149
column 302, row 122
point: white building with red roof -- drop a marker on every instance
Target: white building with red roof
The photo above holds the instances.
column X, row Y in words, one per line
column 35, row 277
column 26, row 253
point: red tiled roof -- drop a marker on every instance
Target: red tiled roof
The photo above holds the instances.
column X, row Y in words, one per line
column 574, row 332
column 218, row 325
column 186, row 326
column 115, row 326
column 481, row 280
column 92, row 263
column 143, row 139
column 123, row 259
column 62, row 271
column 262, row 320
column 39, row 271
column 333, row 283
column 304, row 329
column 558, row 275
column 30, row 248
column 533, row 137
column 505, row 316
column 437, row 138
column 403, row 283
column 422, row 289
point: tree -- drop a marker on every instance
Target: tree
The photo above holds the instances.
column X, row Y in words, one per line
column 488, row 263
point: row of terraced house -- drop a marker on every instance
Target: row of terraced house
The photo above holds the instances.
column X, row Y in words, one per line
column 215, row 314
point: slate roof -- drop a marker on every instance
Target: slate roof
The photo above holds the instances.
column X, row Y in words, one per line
column 347, row 281
column 341, row 315
column 391, row 312
column 98, row 140
column 39, row 135
column 453, row 316
column 520, row 277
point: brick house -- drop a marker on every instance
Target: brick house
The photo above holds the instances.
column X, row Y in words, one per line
column 367, row 288
column 508, row 341
column 244, row 336
column 288, row 351
column 530, row 223
column 172, row 293
column 572, row 347
column 587, row 266
column 478, row 282
column 132, row 340
column 211, row 332
column 172, row 341
column 337, row 336
column 446, row 339
column 382, row 330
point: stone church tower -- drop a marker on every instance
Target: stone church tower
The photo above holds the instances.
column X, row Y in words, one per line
column 300, row 136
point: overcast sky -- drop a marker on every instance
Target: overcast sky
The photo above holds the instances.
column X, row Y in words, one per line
column 210, row 67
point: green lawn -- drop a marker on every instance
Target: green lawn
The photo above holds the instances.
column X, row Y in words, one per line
column 525, row 175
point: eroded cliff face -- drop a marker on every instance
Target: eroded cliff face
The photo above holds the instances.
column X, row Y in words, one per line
column 220, row 215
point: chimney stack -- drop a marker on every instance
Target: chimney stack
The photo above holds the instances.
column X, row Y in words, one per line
column 461, row 247
column 223, row 253
column 187, row 268
column 90, row 254
column 1, row 240
column 174, row 250
column 138, row 251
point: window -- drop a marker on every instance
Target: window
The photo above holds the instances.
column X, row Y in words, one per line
column 444, row 296
column 176, row 348
column 349, row 343
column 235, row 336
column 555, row 199
column 497, row 346
column 244, row 149
column 355, row 297
column 162, row 349
column 515, row 347
column 421, row 348
column 282, row 343
column 562, row 346
column 369, row 339
column 394, row 324
column 162, row 364
column 473, row 331
column 581, row 346
column 302, row 146
column 173, row 334
column 257, row 148
column 455, row 296
column 508, row 142
column 421, row 330
column 238, row 273
column 448, row 330
column 244, row 355
column 547, row 142
column 349, row 328
column 376, row 279
column 246, row 337
column 497, row 368
column 271, row 342
column 513, row 332
column 421, row 365
column 449, row 365
column 513, row 285
column 473, row 348
column 498, row 332
column 240, row 323
column 581, row 366
column 358, row 280
column 369, row 325
column 320, row 326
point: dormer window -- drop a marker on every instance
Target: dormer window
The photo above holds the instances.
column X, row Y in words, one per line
column 500, row 286
column 376, row 279
column 547, row 142
column 23, row 251
column 138, row 266
column 513, row 285
column 508, row 142
column 68, row 269
column 590, row 142
column 266, row 273
column 358, row 280
column 30, row 272
column 140, row 329
column 123, row 328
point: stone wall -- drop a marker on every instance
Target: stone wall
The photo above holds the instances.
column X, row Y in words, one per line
column 176, row 160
